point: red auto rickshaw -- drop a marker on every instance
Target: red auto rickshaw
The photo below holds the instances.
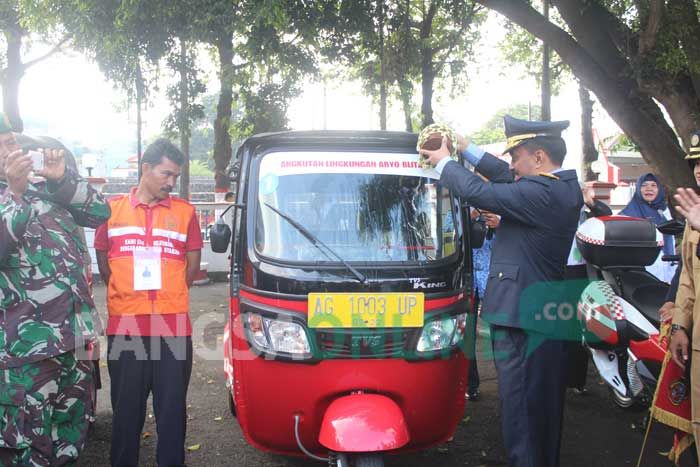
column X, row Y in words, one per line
column 350, row 292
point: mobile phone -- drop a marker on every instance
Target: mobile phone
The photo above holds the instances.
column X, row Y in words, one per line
column 37, row 160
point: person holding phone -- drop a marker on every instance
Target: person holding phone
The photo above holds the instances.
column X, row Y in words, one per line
column 46, row 386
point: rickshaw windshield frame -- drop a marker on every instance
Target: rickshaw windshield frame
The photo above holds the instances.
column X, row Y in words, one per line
column 374, row 208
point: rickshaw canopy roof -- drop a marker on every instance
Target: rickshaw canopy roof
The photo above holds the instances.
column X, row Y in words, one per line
column 382, row 141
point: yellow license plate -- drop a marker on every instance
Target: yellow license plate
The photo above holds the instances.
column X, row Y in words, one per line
column 366, row 310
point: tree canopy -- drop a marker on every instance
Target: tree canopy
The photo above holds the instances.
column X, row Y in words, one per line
column 19, row 31
column 493, row 131
column 638, row 58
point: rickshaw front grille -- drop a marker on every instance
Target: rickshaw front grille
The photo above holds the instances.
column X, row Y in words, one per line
column 377, row 343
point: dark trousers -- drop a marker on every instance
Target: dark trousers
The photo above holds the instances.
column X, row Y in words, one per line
column 531, row 386
column 577, row 366
column 138, row 366
column 473, row 379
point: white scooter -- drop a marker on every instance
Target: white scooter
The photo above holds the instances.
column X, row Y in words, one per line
column 619, row 309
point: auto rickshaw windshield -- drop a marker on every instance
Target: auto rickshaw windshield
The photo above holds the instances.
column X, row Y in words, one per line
column 364, row 213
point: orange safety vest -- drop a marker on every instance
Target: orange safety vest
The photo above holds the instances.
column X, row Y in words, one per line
column 159, row 226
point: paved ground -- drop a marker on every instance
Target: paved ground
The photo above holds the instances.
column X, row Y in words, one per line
column 595, row 432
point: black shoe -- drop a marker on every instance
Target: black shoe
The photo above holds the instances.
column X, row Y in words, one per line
column 472, row 395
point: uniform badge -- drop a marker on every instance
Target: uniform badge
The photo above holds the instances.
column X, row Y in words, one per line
column 678, row 391
column 170, row 223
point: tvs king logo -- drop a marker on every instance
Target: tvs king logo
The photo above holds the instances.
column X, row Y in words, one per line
column 365, row 344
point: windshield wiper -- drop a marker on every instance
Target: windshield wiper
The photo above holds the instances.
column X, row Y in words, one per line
column 318, row 243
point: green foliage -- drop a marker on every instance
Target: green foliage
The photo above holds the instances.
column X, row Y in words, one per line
column 180, row 120
column 265, row 109
column 519, row 46
column 202, row 138
column 455, row 32
column 385, row 43
column 274, row 49
column 276, row 45
column 624, row 143
column 124, row 38
column 202, row 131
column 492, row 131
column 200, row 168
column 40, row 25
column 668, row 54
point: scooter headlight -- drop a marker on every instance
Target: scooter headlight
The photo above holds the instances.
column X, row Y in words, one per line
column 442, row 333
column 271, row 335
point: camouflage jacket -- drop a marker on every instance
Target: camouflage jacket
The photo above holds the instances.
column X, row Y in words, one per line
column 46, row 308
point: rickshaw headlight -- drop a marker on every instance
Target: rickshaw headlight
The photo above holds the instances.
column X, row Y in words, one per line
column 288, row 337
column 442, row 333
column 277, row 336
column 256, row 327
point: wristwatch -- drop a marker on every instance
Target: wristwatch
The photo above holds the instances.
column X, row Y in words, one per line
column 676, row 327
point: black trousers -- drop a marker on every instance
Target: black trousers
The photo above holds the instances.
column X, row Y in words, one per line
column 577, row 367
column 138, row 366
column 531, row 386
column 473, row 378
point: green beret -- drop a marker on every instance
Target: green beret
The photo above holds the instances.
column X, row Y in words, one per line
column 5, row 126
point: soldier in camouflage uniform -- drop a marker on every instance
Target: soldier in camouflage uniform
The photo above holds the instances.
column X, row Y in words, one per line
column 46, row 312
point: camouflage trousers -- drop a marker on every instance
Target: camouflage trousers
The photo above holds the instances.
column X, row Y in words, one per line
column 45, row 411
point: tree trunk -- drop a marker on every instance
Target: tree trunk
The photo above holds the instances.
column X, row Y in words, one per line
column 546, row 104
column 184, row 123
column 406, row 94
column 601, row 70
column 11, row 77
column 590, row 154
column 139, row 121
column 427, row 66
column 427, row 80
column 684, row 17
column 382, row 74
column 222, row 138
column 632, row 107
column 681, row 104
column 404, row 82
column 382, row 106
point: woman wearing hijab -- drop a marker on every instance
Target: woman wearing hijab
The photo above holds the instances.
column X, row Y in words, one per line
column 649, row 202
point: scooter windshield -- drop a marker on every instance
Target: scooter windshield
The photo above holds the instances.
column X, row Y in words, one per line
column 367, row 207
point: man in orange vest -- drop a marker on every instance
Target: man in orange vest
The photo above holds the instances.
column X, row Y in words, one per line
column 148, row 253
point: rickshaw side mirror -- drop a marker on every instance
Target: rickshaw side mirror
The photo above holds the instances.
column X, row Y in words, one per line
column 220, row 236
column 477, row 233
column 220, row 232
column 477, row 229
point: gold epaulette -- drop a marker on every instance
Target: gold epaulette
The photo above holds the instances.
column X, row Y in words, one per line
column 548, row 175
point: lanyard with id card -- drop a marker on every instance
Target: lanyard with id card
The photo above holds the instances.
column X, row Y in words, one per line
column 147, row 274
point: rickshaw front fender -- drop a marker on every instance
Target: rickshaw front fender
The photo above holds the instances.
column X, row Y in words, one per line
column 363, row 423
